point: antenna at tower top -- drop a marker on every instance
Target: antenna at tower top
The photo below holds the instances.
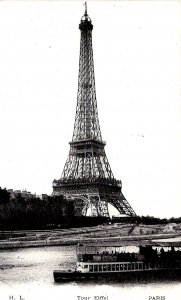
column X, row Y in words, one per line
column 85, row 8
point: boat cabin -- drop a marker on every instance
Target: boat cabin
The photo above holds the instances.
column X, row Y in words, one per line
column 114, row 259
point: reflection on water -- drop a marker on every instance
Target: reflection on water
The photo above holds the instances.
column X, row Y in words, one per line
column 29, row 273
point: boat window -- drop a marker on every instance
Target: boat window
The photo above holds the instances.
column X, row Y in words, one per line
column 129, row 266
column 95, row 268
column 125, row 266
column 121, row 267
column 109, row 267
column 100, row 268
column 117, row 267
column 113, row 267
column 132, row 266
column 85, row 266
column 91, row 268
column 104, row 268
column 136, row 266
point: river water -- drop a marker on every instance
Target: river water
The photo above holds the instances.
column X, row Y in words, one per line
column 28, row 274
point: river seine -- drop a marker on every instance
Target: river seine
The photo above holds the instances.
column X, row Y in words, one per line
column 27, row 274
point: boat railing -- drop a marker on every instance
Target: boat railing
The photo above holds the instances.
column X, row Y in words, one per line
column 128, row 266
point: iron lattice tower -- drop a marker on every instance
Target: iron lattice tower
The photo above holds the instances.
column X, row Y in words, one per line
column 87, row 177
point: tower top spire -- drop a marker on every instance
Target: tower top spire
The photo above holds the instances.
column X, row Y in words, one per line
column 85, row 14
column 85, row 23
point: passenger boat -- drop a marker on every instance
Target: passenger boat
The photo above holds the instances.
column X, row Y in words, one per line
column 149, row 262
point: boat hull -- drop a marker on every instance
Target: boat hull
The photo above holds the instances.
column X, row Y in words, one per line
column 141, row 275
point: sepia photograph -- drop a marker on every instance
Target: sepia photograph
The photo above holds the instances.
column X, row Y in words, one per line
column 90, row 150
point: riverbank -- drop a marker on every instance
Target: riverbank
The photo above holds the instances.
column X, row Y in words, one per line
column 122, row 234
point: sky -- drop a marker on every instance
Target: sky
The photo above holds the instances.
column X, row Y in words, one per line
column 136, row 47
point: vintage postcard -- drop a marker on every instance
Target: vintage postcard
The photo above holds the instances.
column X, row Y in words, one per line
column 90, row 144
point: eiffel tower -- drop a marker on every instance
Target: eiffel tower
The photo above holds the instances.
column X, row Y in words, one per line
column 87, row 176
